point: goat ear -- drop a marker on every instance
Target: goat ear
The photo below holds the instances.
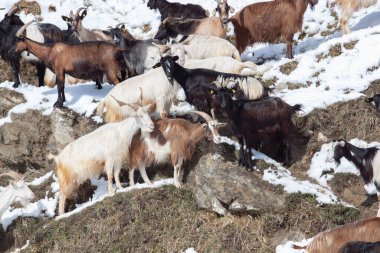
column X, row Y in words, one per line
column 222, row 124
column 84, row 14
column 65, row 18
column 157, row 65
column 213, row 12
column 232, row 10
column 175, row 58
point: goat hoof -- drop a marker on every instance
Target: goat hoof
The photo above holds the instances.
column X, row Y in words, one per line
column 58, row 104
column 15, row 85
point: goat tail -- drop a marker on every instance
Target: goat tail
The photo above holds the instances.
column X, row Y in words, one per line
column 369, row 100
column 297, row 107
column 113, row 111
column 236, row 55
column 51, row 157
column 100, row 108
column 294, row 246
column 267, row 91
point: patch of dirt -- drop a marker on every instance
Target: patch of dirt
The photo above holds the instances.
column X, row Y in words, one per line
column 288, row 67
column 31, row 7
column 350, row 45
column 268, row 82
column 28, row 73
column 334, row 51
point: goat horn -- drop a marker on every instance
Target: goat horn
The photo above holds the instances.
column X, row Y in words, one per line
column 12, row 174
column 13, row 10
column 213, row 114
column 81, row 8
column 23, row 28
column 133, row 106
column 118, row 25
column 203, row 115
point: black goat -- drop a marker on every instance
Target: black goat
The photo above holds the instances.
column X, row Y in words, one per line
column 141, row 55
column 8, row 28
column 178, row 10
column 376, row 100
column 253, row 121
column 367, row 160
column 360, row 247
column 195, row 83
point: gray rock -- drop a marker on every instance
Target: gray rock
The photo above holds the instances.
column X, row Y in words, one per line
column 224, row 187
column 9, row 99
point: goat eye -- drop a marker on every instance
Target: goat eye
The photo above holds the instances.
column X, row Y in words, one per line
column 211, row 92
column 233, row 91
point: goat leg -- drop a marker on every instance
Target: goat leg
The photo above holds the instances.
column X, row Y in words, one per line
column 241, row 153
column 41, row 69
column 98, row 84
column 287, row 155
column 250, row 164
column 16, row 72
column 60, row 100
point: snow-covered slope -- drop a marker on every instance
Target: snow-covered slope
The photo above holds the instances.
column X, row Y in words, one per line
column 329, row 68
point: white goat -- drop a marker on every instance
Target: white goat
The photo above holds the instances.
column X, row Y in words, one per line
column 223, row 64
column 16, row 191
column 152, row 87
column 201, row 47
column 103, row 150
column 348, row 7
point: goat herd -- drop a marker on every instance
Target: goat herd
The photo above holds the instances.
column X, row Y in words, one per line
column 203, row 63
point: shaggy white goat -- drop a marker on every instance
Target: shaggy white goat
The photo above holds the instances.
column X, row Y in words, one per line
column 348, row 7
column 16, row 191
column 201, row 47
column 152, row 87
column 103, row 150
column 223, row 64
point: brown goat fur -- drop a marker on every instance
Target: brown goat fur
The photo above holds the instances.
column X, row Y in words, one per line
column 87, row 60
column 268, row 21
column 175, row 141
column 331, row 241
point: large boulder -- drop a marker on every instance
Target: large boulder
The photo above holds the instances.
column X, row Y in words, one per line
column 220, row 185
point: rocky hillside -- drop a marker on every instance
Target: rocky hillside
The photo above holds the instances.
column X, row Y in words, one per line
column 222, row 206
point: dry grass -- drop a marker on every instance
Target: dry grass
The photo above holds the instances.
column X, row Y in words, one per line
column 167, row 220
column 288, row 67
column 28, row 72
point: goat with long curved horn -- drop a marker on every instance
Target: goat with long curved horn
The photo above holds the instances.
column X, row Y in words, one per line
column 78, row 11
column 13, row 10
column 212, row 124
column 23, row 28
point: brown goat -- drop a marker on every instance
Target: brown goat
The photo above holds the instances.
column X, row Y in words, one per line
column 172, row 140
column 268, row 21
column 87, row 60
column 331, row 241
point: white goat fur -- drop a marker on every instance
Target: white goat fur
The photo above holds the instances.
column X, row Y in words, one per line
column 251, row 87
column 153, row 87
column 348, row 7
column 223, row 64
column 103, row 150
column 16, row 190
column 201, row 47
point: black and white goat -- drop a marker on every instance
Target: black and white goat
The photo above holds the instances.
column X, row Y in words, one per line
column 40, row 32
column 367, row 160
column 195, row 83
column 253, row 121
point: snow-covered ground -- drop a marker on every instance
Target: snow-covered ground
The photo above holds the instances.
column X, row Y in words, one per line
column 323, row 80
